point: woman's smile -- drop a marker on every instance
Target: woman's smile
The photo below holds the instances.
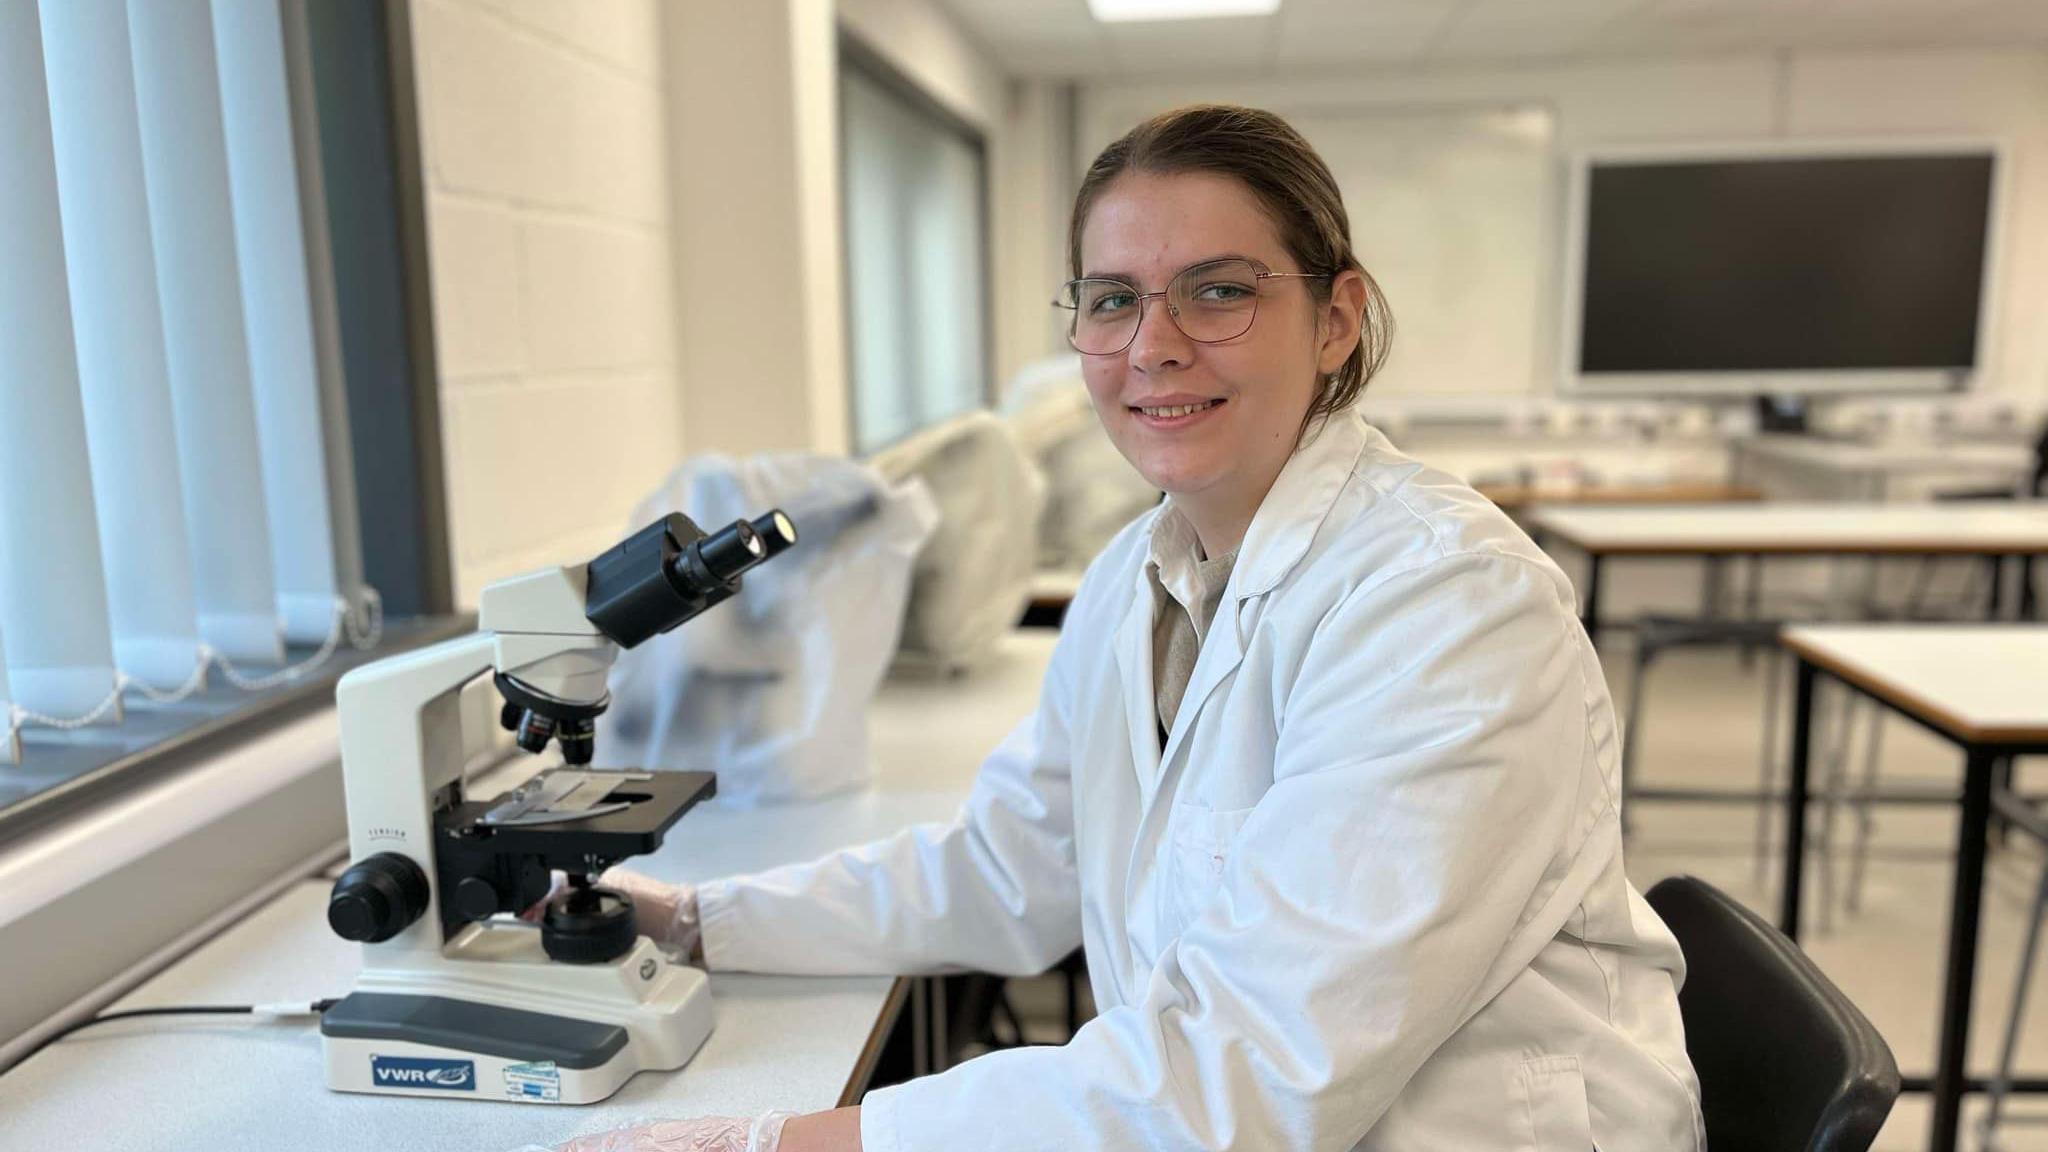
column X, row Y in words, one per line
column 1172, row 413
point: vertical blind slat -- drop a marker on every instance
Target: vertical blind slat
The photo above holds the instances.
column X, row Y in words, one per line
column 270, row 245
column 323, row 300
column 199, row 290
column 120, row 339
column 52, row 592
column 10, row 742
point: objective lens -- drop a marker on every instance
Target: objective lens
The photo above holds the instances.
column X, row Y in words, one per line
column 535, row 730
column 578, row 739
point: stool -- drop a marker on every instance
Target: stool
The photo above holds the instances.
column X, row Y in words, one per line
column 1655, row 634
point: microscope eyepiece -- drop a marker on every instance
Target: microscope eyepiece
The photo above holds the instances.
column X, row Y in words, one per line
column 777, row 532
column 726, row 554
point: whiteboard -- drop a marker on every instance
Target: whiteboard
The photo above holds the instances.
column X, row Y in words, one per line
column 1452, row 211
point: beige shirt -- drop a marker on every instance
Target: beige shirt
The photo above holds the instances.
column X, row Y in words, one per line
column 1186, row 590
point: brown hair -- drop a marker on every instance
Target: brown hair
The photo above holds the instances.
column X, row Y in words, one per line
column 1283, row 171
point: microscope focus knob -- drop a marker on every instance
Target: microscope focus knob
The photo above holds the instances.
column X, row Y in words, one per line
column 588, row 926
column 474, row 898
column 377, row 898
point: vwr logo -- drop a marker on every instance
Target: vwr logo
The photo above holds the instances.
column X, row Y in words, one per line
column 411, row 1072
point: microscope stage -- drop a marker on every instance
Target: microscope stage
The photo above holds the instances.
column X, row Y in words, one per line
column 627, row 818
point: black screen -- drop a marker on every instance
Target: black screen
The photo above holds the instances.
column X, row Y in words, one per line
column 1784, row 265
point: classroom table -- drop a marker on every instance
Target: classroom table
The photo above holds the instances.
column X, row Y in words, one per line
column 1990, row 529
column 801, row 1043
column 1515, row 498
column 1977, row 686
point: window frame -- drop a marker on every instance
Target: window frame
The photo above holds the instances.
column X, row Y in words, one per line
column 861, row 58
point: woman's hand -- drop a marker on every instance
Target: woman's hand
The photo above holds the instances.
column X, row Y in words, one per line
column 664, row 913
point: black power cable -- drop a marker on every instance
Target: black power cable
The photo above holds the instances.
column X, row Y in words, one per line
column 267, row 1011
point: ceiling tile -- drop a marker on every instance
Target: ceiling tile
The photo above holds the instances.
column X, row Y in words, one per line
column 2025, row 21
column 1234, row 43
column 1505, row 28
column 998, row 21
column 1057, row 63
column 1058, row 37
column 1393, row 37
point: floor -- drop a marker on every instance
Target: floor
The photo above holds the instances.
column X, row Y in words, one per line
column 1702, row 727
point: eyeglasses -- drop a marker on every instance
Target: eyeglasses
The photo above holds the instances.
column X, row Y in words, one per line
column 1211, row 302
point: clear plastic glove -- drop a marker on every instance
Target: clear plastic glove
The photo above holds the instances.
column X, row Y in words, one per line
column 705, row 1134
column 664, row 913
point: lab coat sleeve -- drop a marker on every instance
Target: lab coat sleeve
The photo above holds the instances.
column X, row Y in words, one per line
column 1412, row 854
column 995, row 890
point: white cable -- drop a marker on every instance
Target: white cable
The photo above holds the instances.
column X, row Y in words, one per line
column 365, row 635
column 296, row 1010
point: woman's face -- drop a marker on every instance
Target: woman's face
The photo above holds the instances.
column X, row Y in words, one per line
column 1256, row 389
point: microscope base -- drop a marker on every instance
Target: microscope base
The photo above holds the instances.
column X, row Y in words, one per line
column 491, row 1035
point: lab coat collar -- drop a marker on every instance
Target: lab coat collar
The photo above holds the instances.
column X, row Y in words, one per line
column 1287, row 519
column 1296, row 505
column 1279, row 536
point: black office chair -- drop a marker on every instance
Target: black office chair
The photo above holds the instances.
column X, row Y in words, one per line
column 1786, row 1063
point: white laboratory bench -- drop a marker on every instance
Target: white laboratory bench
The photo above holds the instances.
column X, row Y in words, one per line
column 224, row 1083
column 1867, row 469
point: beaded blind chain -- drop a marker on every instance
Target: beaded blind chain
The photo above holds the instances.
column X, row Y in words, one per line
column 357, row 634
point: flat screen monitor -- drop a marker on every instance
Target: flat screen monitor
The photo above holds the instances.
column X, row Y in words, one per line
column 1780, row 273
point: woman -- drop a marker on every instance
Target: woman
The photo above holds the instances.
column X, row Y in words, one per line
column 1323, row 772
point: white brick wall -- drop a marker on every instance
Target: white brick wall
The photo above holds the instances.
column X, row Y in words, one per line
column 545, row 154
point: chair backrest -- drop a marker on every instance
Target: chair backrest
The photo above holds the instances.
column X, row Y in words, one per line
column 2040, row 477
column 1786, row 1063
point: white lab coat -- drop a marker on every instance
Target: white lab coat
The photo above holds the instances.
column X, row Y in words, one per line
column 1370, row 897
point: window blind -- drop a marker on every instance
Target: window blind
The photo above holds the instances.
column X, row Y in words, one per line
column 10, row 739
column 271, row 252
column 120, row 334
column 199, row 289
column 169, row 365
column 53, row 603
column 915, row 261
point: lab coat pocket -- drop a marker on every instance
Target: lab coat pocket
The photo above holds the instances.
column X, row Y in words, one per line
column 1554, row 1094
column 1202, row 839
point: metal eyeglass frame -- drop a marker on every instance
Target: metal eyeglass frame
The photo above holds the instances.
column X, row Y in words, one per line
column 1173, row 313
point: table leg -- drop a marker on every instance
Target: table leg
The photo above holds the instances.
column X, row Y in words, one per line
column 1589, row 616
column 1994, row 603
column 1951, row 1060
column 1752, row 600
column 1796, row 788
column 942, row 1044
column 2027, row 607
column 920, row 1026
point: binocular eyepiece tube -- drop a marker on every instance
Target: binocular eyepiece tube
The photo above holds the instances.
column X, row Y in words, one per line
column 671, row 570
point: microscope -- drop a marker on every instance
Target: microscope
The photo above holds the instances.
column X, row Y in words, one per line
column 457, row 999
